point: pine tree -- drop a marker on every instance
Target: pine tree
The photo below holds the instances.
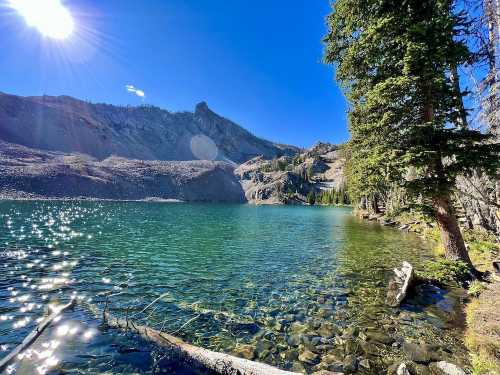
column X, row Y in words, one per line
column 393, row 59
column 311, row 198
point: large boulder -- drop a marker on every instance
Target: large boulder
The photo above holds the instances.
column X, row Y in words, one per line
column 400, row 284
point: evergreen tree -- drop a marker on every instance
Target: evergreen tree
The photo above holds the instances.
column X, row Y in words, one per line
column 393, row 59
column 311, row 198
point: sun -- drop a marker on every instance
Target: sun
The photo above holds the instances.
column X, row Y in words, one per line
column 50, row 17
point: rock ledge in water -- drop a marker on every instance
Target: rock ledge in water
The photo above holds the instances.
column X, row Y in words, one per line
column 399, row 284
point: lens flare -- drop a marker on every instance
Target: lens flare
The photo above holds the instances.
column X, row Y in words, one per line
column 50, row 17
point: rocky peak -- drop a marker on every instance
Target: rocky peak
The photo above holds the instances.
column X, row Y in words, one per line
column 201, row 109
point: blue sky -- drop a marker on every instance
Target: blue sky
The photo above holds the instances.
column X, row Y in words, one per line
column 257, row 62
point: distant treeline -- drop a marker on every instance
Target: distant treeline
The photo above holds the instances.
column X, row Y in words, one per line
column 329, row 197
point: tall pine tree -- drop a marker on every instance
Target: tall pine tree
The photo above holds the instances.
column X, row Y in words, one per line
column 394, row 60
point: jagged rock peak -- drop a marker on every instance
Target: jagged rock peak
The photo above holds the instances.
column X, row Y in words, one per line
column 201, row 108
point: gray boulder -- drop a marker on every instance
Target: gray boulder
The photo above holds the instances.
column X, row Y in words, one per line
column 400, row 284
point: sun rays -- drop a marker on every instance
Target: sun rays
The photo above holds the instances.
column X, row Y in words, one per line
column 50, row 17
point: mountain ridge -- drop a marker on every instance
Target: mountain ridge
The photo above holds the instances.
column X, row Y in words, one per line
column 66, row 124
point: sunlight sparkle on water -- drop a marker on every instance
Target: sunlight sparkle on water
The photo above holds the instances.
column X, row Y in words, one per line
column 89, row 334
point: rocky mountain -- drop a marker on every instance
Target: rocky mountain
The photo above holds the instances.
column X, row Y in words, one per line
column 70, row 125
column 32, row 173
column 61, row 147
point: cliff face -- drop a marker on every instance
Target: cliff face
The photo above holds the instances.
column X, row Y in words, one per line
column 288, row 180
column 149, row 133
column 32, row 173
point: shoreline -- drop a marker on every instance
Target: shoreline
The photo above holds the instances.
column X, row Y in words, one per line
column 481, row 306
column 31, row 198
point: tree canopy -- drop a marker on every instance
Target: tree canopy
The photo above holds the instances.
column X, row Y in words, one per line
column 393, row 59
column 396, row 61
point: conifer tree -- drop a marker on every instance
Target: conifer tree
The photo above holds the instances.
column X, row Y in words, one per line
column 394, row 60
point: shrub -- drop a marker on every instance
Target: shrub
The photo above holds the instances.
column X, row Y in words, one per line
column 475, row 288
column 444, row 271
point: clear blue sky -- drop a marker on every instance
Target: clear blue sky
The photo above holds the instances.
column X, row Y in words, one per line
column 255, row 62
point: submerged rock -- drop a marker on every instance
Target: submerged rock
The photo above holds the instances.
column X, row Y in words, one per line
column 290, row 355
column 245, row 351
column 298, row 367
column 379, row 337
column 417, row 353
column 327, row 330
column 399, row 284
column 308, row 357
column 418, row 369
column 446, row 368
column 350, row 364
column 369, row 349
column 365, row 363
column 294, row 340
column 402, row 370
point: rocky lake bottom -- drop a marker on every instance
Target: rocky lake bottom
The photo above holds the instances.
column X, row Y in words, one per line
column 300, row 288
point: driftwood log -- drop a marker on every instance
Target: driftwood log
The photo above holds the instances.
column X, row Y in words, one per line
column 194, row 356
column 30, row 339
column 399, row 284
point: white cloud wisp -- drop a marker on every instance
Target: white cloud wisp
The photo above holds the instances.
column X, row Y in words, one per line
column 135, row 90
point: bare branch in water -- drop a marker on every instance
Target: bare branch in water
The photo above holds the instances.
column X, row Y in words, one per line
column 31, row 338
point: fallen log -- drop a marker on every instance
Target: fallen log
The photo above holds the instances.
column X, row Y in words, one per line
column 196, row 357
column 399, row 284
column 30, row 339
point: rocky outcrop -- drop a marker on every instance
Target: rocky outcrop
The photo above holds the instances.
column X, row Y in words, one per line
column 264, row 185
column 288, row 180
column 69, row 125
column 31, row 173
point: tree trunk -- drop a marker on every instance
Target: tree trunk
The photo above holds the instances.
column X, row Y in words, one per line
column 493, row 80
column 453, row 242
column 363, row 203
column 451, row 237
column 461, row 112
column 374, row 204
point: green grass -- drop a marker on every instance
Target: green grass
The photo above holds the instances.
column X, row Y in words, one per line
column 484, row 349
column 443, row 271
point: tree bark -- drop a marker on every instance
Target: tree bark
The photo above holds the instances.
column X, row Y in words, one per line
column 453, row 242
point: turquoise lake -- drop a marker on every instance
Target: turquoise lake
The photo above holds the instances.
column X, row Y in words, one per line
column 275, row 280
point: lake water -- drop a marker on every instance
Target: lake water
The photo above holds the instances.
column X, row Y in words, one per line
column 268, row 282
